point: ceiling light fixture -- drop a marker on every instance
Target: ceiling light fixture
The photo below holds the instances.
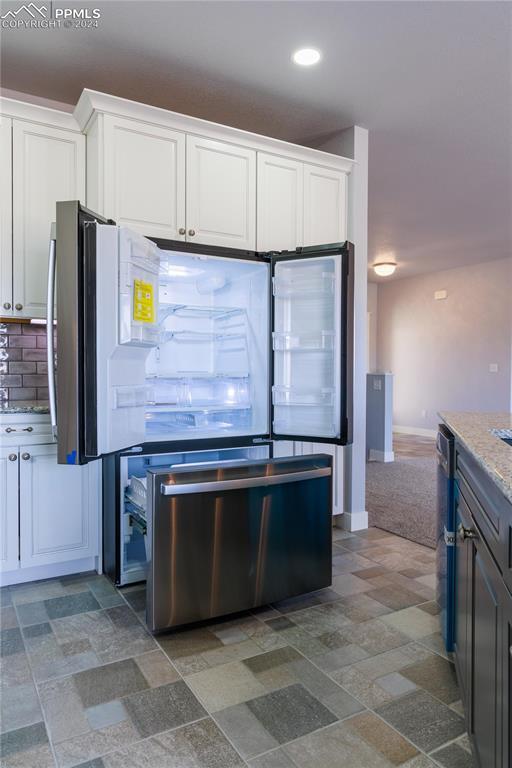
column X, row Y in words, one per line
column 384, row 269
column 306, row 57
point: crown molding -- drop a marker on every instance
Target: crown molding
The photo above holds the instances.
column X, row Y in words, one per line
column 93, row 102
column 23, row 110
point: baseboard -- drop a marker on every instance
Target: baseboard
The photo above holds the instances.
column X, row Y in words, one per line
column 420, row 431
column 39, row 572
column 352, row 521
column 383, row 456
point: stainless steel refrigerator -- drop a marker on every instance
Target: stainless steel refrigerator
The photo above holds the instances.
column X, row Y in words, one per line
column 173, row 353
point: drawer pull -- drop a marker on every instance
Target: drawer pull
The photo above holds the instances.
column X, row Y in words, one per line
column 27, row 429
column 9, row 430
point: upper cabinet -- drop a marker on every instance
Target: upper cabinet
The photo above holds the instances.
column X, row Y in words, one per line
column 5, row 215
column 221, row 193
column 164, row 183
column 299, row 204
column 325, row 205
column 280, row 203
column 48, row 164
column 136, row 176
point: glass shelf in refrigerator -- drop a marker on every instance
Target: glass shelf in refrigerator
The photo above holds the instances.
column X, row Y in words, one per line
column 282, row 395
column 197, row 312
column 201, row 337
column 320, row 341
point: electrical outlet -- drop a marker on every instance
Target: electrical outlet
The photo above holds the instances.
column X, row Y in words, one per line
column 439, row 295
column 493, row 367
column 423, row 414
column 377, row 384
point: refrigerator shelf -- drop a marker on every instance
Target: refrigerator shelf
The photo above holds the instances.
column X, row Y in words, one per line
column 197, row 312
column 202, row 337
column 321, row 341
column 196, row 407
column 293, row 396
column 174, row 375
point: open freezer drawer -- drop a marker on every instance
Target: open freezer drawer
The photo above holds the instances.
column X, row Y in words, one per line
column 227, row 538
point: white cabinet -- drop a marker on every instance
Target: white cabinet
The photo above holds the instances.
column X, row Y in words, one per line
column 58, row 508
column 8, row 509
column 325, row 205
column 221, row 193
column 48, row 165
column 336, row 451
column 299, row 204
column 140, row 182
column 5, row 216
column 280, row 203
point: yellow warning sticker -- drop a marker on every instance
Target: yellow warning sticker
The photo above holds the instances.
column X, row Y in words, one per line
column 143, row 302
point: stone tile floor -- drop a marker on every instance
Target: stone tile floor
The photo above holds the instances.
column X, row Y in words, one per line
column 354, row 676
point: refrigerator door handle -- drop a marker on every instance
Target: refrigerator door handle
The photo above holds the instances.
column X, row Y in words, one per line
column 242, row 482
column 50, row 347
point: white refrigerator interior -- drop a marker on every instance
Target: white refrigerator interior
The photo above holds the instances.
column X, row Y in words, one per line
column 182, row 346
column 306, row 341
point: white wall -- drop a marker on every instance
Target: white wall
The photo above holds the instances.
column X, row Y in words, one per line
column 440, row 351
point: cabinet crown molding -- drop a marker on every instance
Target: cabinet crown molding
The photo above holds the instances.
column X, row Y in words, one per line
column 24, row 110
column 91, row 102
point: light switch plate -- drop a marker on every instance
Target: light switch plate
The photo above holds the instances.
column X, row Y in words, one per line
column 493, row 367
column 438, row 295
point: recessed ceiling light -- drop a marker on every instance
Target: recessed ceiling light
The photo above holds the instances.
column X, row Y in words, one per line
column 306, row 57
column 384, row 269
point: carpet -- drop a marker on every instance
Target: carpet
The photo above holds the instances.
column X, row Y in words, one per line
column 401, row 498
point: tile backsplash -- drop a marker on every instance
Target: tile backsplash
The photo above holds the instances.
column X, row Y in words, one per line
column 23, row 366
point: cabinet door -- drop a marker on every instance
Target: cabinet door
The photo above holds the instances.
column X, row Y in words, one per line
column 8, row 509
column 144, row 177
column 485, row 705
column 280, row 203
column 462, row 633
column 506, row 677
column 221, row 194
column 48, row 165
column 6, row 216
column 59, row 509
column 325, row 205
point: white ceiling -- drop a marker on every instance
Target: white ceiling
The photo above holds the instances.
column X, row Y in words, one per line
column 430, row 80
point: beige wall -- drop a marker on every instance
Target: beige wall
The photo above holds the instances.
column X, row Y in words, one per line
column 440, row 351
column 372, row 327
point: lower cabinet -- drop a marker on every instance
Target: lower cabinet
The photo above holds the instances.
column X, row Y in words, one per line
column 9, row 531
column 50, row 511
column 483, row 643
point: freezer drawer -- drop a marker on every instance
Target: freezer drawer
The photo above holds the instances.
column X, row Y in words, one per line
column 232, row 537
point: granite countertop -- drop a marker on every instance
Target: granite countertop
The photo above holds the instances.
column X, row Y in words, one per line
column 475, row 432
column 25, row 406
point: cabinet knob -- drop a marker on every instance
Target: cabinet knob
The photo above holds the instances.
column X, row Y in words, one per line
column 19, row 307
column 182, row 231
column 191, row 232
column 25, row 456
column 27, row 429
column 12, row 457
column 7, row 304
column 466, row 533
column 9, row 430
